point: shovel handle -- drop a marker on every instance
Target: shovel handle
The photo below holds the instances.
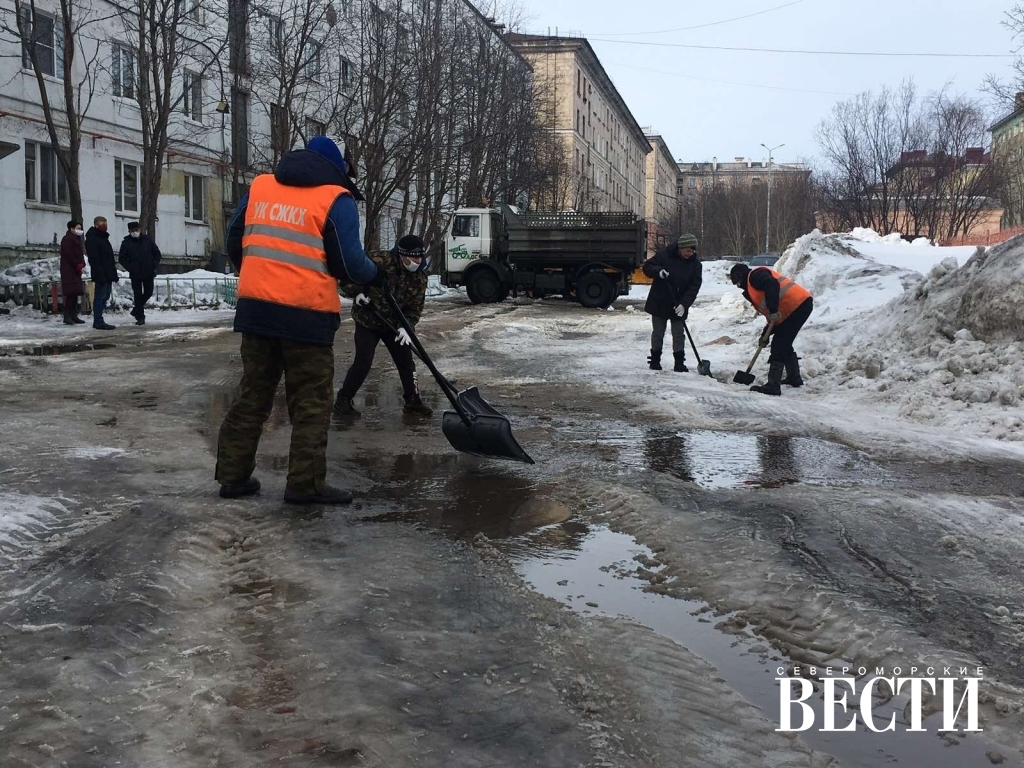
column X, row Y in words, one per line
column 446, row 386
column 762, row 342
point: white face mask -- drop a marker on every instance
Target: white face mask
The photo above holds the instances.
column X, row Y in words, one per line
column 79, row 232
column 135, row 234
column 411, row 266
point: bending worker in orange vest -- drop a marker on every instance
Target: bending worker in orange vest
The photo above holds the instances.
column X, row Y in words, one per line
column 293, row 237
column 785, row 304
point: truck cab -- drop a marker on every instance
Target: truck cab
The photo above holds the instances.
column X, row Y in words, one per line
column 473, row 234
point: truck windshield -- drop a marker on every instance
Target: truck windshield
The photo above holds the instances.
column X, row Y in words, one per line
column 466, row 226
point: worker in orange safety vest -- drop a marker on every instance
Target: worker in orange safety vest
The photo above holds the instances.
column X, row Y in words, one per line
column 292, row 238
column 786, row 305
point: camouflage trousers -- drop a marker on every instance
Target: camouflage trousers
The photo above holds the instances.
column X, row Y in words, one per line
column 309, row 387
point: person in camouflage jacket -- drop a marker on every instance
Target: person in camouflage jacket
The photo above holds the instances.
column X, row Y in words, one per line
column 406, row 268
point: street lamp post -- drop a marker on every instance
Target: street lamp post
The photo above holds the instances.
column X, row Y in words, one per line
column 768, row 216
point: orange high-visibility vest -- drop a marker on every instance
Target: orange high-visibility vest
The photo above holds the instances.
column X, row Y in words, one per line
column 791, row 295
column 283, row 257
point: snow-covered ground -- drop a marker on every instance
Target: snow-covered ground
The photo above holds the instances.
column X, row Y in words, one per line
column 908, row 339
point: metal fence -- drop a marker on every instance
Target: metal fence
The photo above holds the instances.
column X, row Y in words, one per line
column 168, row 291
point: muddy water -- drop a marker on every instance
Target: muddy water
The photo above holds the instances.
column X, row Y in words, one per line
column 733, row 460
column 598, row 579
column 528, row 515
column 49, row 350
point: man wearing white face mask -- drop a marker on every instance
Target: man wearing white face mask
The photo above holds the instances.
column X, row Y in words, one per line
column 406, row 268
column 140, row 256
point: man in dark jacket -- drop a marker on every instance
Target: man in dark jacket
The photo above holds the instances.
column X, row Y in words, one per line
column 103, row 270
column 72, row 264
column 406, row 267
column 140, row 256
column 677, row 276
column 294, row 236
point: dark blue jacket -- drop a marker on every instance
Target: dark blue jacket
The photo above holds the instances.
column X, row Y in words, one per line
column 684, row 280
column 346, row 259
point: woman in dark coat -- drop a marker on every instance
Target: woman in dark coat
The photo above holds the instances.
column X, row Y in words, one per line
column 677, row 276
column 72, row 263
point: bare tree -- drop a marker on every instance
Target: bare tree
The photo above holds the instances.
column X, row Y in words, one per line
column 51, row 46
column 178, row 44
column 1002, row 91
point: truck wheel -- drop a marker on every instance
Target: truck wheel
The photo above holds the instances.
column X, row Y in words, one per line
column 484, row 287
column 595, row 289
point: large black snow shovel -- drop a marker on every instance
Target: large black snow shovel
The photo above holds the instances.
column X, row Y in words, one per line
column 474, row 427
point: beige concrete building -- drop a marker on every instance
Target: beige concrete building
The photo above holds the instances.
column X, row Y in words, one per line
column 606, row 151
column 696, row 177
column 662, row 204
column 1008, row 150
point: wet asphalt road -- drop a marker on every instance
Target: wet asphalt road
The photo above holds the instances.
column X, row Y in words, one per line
column 156, row 620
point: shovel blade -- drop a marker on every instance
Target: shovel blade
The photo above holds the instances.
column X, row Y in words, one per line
column 488, row 433
column 704, row 368
column 742, row 377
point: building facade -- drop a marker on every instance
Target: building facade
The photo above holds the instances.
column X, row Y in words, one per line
column 662, row 202
column 1008, row 151
column 250, row 82
column 605, row 148
column 698, row 176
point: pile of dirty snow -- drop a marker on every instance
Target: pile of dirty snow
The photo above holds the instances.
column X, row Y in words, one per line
column 41, row 271
column 942, row 343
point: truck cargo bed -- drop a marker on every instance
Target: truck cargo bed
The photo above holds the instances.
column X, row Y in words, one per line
column 552, row 240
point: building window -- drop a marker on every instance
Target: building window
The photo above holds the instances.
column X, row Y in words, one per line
column 123, row 71
column 579, row 83
column 45, row 181
column 280, row 139
column 275, row 30
column 126, row 187
column 692, row 183
column 314, row 128
column 195, row 198
column 240, row 127
column 196, row 11
column 313, row 68
column 40, row 33
column 192, row 102
column 347, row 71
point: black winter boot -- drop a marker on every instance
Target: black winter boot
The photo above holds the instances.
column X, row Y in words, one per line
column 655, row 360
column 680, row 366
column 793, row 377
column 415, row 404
column 343, row 407
column 248, row 487
column 77, row 320
column 328, row 495
column 771, row 386
column 68, row 318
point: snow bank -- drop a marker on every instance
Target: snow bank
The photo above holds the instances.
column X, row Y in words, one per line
column 939, row 340
column 41, row 271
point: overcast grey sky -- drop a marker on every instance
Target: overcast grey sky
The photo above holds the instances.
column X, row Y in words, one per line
column 701, row 119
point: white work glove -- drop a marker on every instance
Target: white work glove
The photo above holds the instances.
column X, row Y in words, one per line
column 403, row 337
column 775, row 317
column 663, row 274
column 362, row 300
column 680, row 310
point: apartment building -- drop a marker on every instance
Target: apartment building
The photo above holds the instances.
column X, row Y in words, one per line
column 250, row 82
column 662, row 211
column 605, row 148
column 697, row 176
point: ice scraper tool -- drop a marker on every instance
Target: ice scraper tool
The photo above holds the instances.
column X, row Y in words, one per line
column 745, row 377
column 474, row 427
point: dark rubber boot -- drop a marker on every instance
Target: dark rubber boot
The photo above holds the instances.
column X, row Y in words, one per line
column 329, row 495
column 68, row 319
column 76, row 319
column 343, row 407
column 793, row 377
column 655, row 360
column 248, row 487
column 415, row 404
column 680, row 366
column 771, row 387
